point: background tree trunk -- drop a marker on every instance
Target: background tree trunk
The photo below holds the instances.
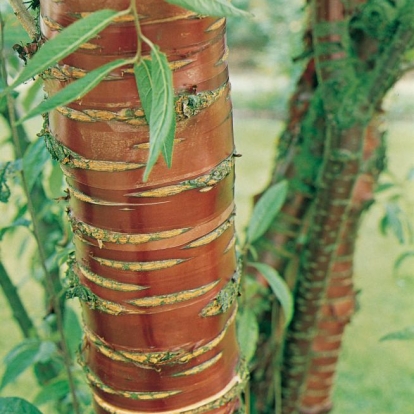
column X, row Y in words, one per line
column 299, row 161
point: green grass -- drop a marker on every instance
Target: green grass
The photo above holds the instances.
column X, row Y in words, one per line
column 374, row 377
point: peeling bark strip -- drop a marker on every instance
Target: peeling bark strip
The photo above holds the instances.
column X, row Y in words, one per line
column 155, row 265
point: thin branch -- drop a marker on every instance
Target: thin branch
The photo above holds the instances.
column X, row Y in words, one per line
column 35, row 223
column 25, row 18
column 16, row 305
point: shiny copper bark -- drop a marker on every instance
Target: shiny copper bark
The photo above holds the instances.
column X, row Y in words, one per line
column 155, row 261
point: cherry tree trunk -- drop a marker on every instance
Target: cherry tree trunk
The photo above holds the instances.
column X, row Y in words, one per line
column 154, row 264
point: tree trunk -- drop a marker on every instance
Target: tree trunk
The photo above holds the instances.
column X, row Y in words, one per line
column 299, row 158
column 339, row 303
column 154, row 263
column 349, row 101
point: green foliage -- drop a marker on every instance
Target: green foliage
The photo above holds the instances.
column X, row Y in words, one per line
column 34, row 160
column 143, row 77
column 65, row 43
column 393, row 195
column 378, row 18
column 19, row 222
column 265, row 211
column 55, row 390
column 4, row 188
column 158, row 103
column 393, row 220
column 221, row 8
column 75, row 90
column 20, row 358
column 402, row 258
column 247, row 333
column 279, row 288
column 13, row 405
column 73, row 330
column 402, row 335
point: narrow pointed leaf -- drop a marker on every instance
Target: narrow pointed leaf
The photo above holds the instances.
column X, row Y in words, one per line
column 34, row 160
column 14, row 405
column 220, row 8
column 402, row 258
column 279, row 288
column 162, row 114
column 402, row 335
column 247, row 333
column 266, row 210
column 73, row 330
column 143, row 79
column 65, row 43
column 75, row 90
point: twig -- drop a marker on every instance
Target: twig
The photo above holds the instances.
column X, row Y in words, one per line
column 19, row 311
column 25, row 18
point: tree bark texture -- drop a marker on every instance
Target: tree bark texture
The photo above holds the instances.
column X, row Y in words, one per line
column 349, row 101
column 340, row 299
column 284, row 247
column 154, row 264
column 342, row 159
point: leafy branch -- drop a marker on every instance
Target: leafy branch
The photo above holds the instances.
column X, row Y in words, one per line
column 35, row 224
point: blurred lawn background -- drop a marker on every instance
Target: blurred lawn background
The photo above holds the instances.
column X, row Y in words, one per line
column 374, row 377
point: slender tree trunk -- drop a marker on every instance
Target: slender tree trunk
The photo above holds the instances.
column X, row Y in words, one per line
column 154, row 264
column 349, row 103
column 339, row 304
column 298, row 161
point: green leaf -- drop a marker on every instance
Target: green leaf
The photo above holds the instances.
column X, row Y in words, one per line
column 4, row 187
column 19, row 222
column 65, row 43
column 33, row 95
column 19, row 359
column 55, row 181
column 73, row 330
column 279, row 288
column 34, row 160
column 14, row 405
column 247, row 333
column 46, row 351
column 266, row 210
column 393, row 214
column 162, row 114
column 402, row 258
column 75, row 90
column 220, row 8
column 55, row 390
column 402, row 335
column 383, row 187
column 7, row 169
column 143, row 79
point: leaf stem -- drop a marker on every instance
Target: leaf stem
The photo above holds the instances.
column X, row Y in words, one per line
column 133, row 7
